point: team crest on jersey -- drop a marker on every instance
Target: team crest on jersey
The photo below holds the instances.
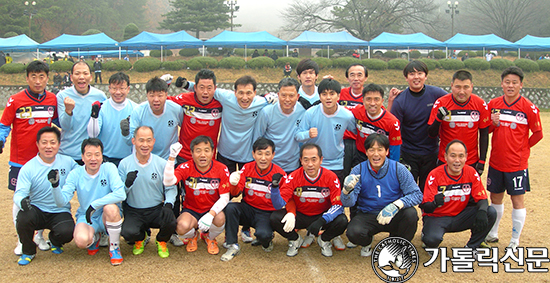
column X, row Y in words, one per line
column 255, row 114
column 170, row 123
column 31, row 121
column 520, row 116
column 325, row 192
column 215, row 112
column 13, row 182
column 474, row 115
column 62, row 171
column 50, row 111
column 154, row 176
column 103, row 182
column 337, row 127
column 298, row 122
column 215, row 184
column 466, row 188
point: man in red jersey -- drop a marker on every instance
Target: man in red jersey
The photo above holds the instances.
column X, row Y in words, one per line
column 27, row 111
column 462, row 115
column 206, row 192
column 312, row 198
column 449, row 189
column 513, row 116
column 255, row 208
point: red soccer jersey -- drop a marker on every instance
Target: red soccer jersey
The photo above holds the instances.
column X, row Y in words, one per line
column 27, row 115
column 198, row 119
column 458, row 190
column 202, row 189
column 463, row 124
column 510, row 143
column 257, row 185
column 312, row 197
column 386, row 124
column 350, row 100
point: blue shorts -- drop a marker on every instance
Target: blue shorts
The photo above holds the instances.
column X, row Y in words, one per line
column 514, row 183
column 97, row 221
column 193, row 213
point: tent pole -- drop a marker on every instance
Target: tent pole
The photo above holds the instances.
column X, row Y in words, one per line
column 161, row 53
column 519, row 52
column 78, row 53
column 37, row 53
column 328, row 51
column 368, row 49
column 245, row 57
column 408, row 53
column 119, row 53
column 287, row 51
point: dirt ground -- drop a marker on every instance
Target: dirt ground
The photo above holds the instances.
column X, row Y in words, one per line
column 255, row 265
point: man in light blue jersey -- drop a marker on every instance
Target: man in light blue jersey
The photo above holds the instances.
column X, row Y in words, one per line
column 34, row 197
column 74, row 105
column 158, row 113
column 308, row 72
column 105, row 117
column 99, row 190
column 279, row 123
column 148, row 203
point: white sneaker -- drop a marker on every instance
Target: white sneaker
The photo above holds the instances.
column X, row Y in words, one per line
column 269, row 248
column 225, row 245
column 176, row 241
column 293, row 246
column 338, row 243
column 491, row 239
column 245, row 236
column 366, row 251
column 351, row 245
column 326, row 247
column 18, row 249
column 41, row 242
column 104, row 241
column 232, row 251
column 308, row 240
column 514, row 246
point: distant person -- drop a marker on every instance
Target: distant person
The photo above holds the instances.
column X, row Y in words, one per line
column 8, row 58
column 274, row 55
column 465, row 57
column 527, row 56
column 57, row 79
column 288, row 70
column 266, row 53
column 489, row 56
column 294, row 53
column 256, row 53
column 356, row 54
column 97, row 70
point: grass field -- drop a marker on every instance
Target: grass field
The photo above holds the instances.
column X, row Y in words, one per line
column 255, row 265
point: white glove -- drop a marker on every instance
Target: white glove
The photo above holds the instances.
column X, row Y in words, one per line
column 290, row 222
column 386, row 215
column 271, row 98
column 235, row 177
column 175, row 149
column 350, row 182
column 205, row 222
column 167, row 78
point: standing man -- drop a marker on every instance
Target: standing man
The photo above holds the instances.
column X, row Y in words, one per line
column 105, row 118
column 462, row 115
column 412, row 107
column 27, row 112
column 99, row 190
column 35, row 199
column 513, row 116
column 308, row 71
column 75, row 105
column 97, row 69
column 148, row 202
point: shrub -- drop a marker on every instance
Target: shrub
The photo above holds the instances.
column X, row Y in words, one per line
column 198, row 63
column 527, row 65
column 544, row 65
column 321, row 61
column 375, row 64
column 147, row 64
column 240, row 51
column 500, row 64
column 437, row 54
column 219, row 51
column 13, row 68
column 115, row 65
column 62, row 66
column 10, row 34
column 431, row 63
column 391, row 54
column 451, row 64
column 477, row 64
column 511, row 54
column 397, row 64
column 174, row 65
column 130, row 30
column 91, row 31
column 232, row 63
column 156, row 53
column 415, row 54
column 480, row 53
column 344, row 62
column 260, row 62
column 323, row 52
column 189, row 52
column 471, row 54
column 281, row 62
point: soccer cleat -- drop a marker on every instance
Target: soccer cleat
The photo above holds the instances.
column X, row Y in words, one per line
column 326, row 247
column 139, row 246
column 25, row 259
column 338, row 243
column 232, row 251
column 513, row 245
column 366, row 251
column 104, row 241
column 269, row 247
column 245, row 236
column 294, row 246
column 212, row 246
column 192, row 245
column 116, row 257
column 351, row 245
column 485, row 245
column 255, row 243
column 94, row 248
column 308, row 240
column 57, row 250
column 18, row 249
column 162, row 249
column 176, row 241
column 491, row 239
column 225, row 245
column 41, row 242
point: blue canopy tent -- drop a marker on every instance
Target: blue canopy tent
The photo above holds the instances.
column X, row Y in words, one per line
column 149, row 40
column 530, row 42
column 260, row 39
column 20, row 43
column 68, row 42
column 106, row 53
column 313, row 39
column 487, row 41
column 415, row 40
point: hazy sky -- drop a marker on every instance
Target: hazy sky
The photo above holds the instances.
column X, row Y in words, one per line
column 260, row 15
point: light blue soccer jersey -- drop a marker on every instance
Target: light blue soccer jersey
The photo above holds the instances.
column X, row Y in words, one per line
column 330, row 133
column 74, row 128
column 33, row 182
column 147, row 190
column 312, row 98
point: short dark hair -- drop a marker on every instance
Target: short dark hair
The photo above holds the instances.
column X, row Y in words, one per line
column 263, row 143
column 309, row 146
column 329, row 84
column 307, row 64
column 118, row 78
column 201, row 139
column 373, row 88
column 37, row 67
column 144, row 127
column 289, row 82
column 415, row 66
column 462, row 75
column 92, row 142
column 245, row 80
column 357, row 64
column 78, row 63
column 453, row 142
column 380, row 139
column 513, row 70
column 205, row 74
column 48, row 129
column 156, row 84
